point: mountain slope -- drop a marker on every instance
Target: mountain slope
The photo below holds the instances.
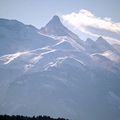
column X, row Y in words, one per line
column 55, row 27
column 15, row 36
column 98, row 46
column 51, row 71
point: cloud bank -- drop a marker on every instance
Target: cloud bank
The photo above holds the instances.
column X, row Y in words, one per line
column 86, row 22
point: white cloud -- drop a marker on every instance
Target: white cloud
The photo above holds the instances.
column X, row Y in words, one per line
column 88, row 23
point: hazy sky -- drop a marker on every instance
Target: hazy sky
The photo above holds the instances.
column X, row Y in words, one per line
column 38, row 12
column 88, row 18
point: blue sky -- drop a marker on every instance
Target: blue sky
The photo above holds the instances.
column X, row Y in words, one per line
column 92, row 17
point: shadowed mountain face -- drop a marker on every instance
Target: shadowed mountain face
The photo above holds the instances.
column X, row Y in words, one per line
column 56, row 28
column 51, row 71
column 16, row 37
column 98, row 46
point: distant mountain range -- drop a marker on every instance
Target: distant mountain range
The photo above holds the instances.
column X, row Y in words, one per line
column 51, row 71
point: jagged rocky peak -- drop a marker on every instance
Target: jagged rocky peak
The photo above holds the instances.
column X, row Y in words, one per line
column 103, row 45
column 53, row 25
column 89, row 41
column 101, row 40
column 55, row 20
column 56, row 28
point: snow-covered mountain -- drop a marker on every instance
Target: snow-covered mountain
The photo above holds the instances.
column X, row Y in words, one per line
column 56, row 28
column 98, row 46
column 16, row 37
column 52, row 71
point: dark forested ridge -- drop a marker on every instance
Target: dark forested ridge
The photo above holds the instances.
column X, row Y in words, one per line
column 19, row 117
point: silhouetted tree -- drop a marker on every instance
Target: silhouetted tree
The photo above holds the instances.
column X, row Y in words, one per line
column 19, row 117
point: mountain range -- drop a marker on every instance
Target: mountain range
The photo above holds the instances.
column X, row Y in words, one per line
column 51, row 71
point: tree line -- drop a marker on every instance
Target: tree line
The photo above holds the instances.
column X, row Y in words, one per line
column 20, row 117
